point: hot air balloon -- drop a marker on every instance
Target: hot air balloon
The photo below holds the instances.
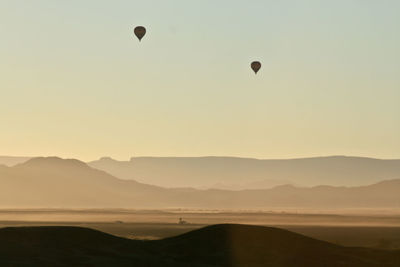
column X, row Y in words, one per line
column 140, row 31
column 255, row 66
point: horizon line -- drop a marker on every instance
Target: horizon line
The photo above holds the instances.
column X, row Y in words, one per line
column 202, row 156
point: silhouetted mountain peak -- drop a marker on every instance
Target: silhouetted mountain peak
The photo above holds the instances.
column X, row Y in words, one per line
column 389, row 184
column 106, row 159
column 54, row 162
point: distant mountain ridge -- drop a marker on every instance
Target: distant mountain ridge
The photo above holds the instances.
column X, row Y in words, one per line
column 61, row 183
column 11, row 161
column 248, row 173
column 231, row 173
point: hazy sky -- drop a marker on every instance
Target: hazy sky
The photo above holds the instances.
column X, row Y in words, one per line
column 76, row 83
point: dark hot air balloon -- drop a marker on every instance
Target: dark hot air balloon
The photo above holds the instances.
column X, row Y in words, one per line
column 140, row 31
column 255, row 66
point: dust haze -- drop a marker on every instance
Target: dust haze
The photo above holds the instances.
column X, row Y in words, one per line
column 55, row 191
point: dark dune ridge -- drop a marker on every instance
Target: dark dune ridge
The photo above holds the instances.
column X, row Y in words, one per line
column 217, row 245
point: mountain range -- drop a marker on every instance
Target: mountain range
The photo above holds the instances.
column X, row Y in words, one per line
column 67, row 183
column 247, row 173
column 232, row 173
column 11, row 161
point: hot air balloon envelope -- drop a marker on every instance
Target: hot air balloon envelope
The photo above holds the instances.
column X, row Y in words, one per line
column 255, row 66
column 140, row 31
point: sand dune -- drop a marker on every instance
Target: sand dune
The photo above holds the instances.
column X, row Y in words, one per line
column 217, row 245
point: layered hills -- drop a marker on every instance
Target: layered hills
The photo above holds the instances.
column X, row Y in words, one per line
column 247, row 173
column 61, row 183
column 244, row 173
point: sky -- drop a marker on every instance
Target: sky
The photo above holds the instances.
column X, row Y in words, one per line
column 76, row 83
